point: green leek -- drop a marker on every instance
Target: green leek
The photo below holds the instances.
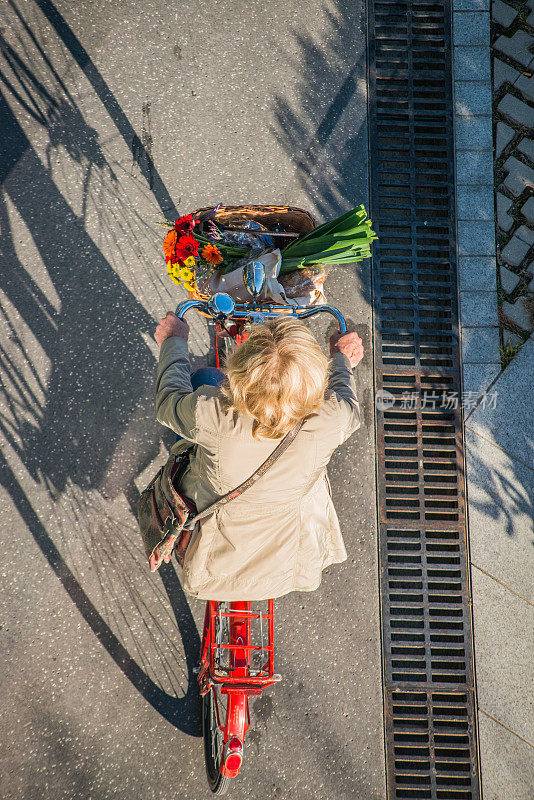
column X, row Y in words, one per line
column 340, row 241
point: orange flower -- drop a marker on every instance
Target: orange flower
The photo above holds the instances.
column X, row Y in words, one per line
column 169, row 247
column 212, row 254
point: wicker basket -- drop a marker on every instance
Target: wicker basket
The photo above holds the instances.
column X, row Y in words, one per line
column 294, row 220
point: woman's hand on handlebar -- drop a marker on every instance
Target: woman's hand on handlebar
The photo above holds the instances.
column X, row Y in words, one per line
column 349, row 344
column 171, row 325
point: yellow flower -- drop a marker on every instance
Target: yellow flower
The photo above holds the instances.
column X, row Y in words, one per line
column 190, row 261
column 182, row 275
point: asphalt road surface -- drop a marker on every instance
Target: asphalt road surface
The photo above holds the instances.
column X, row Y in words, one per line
column 116, row 115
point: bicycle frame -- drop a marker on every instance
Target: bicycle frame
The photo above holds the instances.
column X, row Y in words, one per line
column 237, row 333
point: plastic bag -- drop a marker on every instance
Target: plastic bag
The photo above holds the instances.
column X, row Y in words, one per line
column 304, row 286
column 303, row 282
column 233, row 284
column 246, row 239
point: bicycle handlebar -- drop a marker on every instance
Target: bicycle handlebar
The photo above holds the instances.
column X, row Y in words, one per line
column 222, row 307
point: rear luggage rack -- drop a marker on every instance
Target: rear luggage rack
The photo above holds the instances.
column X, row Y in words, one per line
column 259, row 651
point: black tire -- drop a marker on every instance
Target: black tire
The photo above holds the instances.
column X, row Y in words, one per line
column 213, row 746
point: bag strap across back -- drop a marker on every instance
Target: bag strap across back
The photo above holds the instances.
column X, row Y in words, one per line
column 277, row 452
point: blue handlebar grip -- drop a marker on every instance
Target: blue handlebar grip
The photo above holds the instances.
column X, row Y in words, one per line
column 185, row 305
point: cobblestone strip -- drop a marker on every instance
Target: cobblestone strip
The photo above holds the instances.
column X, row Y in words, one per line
column 512, row 38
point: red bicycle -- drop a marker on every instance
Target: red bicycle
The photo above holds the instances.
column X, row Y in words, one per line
column 233, row 666
column 237, row 651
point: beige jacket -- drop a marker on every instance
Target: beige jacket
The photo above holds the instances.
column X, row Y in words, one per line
column 281, row 533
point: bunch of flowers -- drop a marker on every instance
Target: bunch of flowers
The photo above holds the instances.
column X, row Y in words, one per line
column 181, row 251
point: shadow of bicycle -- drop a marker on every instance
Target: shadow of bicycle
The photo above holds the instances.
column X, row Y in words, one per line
column 77, row 405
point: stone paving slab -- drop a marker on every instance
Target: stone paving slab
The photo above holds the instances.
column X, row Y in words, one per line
column 476, row 378
column 526, row 234
column 480, row 345
column 470, row 5
column 509, row 280
column 472, row 98
column 503, row 625
column 502, row 13
column 525, row 84
column 526, row 146
column 519, row 312
column 517, row 110
column 507, row 763
column 472, row 133
column 510, row 423
column 528, row 210
column 511, row 339
column 518, row 47
column 474, row 202
column 504, row 204
column 514, row 252
column 500, row 512
column 503, row 73
column 477, row 272
column 505, row 134
column 474, row 168
column 478, row 309
column 520, row 176
column 472, row 63
column 471, row 28
column 476, row 238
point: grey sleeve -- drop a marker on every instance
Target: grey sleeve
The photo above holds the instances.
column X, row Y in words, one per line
column 175, row 399
column 342, row 384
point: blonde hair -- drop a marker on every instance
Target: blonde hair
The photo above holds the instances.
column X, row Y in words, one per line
column 278, row 376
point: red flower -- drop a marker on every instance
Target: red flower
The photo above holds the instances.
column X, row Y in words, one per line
column 186, row 246
column 185, row 224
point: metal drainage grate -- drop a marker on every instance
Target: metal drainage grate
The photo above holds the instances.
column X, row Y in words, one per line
column 424, row 582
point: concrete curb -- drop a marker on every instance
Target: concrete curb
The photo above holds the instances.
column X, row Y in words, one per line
column 475, row 212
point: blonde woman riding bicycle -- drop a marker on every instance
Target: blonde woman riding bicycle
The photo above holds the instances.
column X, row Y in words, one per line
column 281, row 534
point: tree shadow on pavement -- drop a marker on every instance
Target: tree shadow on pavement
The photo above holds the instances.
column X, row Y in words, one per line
column 501, row 489
column 323, row 129
column 77, row 373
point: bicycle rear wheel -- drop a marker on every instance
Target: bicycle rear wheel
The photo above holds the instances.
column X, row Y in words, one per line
column 213, row 743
